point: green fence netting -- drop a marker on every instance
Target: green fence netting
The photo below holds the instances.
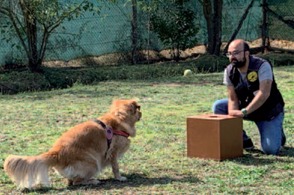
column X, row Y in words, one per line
column 110, row 31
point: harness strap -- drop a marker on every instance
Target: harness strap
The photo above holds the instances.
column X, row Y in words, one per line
column 121, row 133
column 108, row 131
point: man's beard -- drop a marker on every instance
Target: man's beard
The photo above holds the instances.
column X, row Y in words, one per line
column 239, row 64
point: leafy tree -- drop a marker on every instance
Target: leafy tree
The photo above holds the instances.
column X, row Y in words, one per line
column 174, row 24
column 33, row 21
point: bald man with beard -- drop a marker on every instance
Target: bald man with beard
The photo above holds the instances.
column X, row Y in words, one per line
column 253, row 95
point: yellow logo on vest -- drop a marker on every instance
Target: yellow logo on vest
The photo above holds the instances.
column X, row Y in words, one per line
column 252, row 76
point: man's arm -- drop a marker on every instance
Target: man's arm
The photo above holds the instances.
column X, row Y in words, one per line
column 233, row 102
column 265, row 75
column 261, row 96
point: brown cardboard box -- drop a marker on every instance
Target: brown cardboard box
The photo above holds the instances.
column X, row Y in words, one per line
column 214, row 136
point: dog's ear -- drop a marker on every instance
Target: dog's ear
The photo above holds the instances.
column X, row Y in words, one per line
column 134, row 106
column 125, row 105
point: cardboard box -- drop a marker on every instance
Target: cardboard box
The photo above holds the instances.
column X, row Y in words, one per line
column 214, row 136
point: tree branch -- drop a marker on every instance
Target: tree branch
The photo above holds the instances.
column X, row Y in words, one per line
column 63, row 17
column 289, row 23
column 14, row 23
column 239, row 25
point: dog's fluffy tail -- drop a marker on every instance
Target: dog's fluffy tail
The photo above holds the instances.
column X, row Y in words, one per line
column 28, row 171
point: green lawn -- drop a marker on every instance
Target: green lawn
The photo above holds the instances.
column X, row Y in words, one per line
column 156, row 162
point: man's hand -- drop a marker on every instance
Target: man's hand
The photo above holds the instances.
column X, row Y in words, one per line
column 236, row 113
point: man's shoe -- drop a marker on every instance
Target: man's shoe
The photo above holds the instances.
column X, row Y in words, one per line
column 248, row 144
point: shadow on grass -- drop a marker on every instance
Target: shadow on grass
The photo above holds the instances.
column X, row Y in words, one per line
column 134, row 180
column 257, row 157
column 287, row 151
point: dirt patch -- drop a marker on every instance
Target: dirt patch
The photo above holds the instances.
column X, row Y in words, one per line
column 151, row 56
column 144, row 56
column 277, row 43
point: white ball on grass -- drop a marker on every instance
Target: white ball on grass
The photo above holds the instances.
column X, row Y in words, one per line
column 188, row 73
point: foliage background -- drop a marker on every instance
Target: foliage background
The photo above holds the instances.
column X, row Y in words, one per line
column 110, row 32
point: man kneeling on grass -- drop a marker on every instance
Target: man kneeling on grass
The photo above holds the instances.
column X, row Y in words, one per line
column 253, row 95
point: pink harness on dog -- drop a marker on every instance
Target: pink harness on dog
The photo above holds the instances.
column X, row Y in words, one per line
column 110, row 132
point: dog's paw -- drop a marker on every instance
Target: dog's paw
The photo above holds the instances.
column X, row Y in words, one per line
column 122, row 179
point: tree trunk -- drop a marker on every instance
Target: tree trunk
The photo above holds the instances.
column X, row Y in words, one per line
column 264, row 28
column 134, row 32
column 213, row 15
column 34, row 61
column 218, row 8
column 207, row 11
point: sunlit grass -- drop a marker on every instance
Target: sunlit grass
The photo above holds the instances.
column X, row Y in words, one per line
column 156, row 161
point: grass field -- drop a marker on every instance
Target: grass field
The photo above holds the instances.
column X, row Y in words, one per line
column 156, row 162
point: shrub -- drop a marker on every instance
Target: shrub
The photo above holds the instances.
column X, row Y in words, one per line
column 175, row 25
column 58, row 77
column 20, row 81
column 278, row 59
column 211, row 63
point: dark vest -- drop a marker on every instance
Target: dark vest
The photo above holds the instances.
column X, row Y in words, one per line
column 272, row 106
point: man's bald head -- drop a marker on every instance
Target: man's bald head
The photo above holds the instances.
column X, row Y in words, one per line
column 239, row 44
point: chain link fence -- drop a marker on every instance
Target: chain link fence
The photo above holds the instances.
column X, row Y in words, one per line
column 281, row 24
column 109, row 34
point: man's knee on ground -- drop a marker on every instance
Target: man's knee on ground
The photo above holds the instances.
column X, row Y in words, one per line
column 270, row 150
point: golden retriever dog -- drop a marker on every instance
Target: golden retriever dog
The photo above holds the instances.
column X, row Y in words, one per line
column 82, row 151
